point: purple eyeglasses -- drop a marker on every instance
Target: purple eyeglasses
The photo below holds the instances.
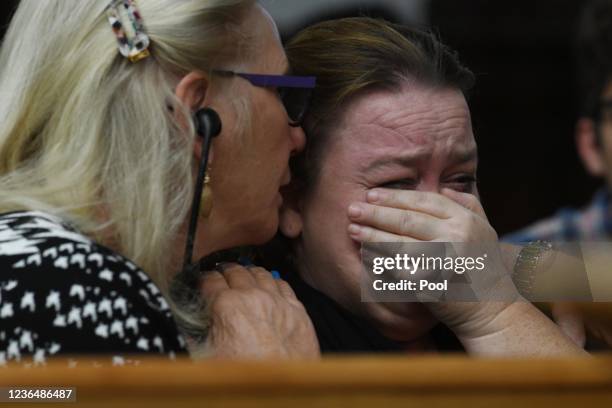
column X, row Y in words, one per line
column 294, row 91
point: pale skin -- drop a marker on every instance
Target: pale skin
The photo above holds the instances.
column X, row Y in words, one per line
column 483, row 328
column 251, row 315
column 254, row 165
column 255, row 316
column 402, row 166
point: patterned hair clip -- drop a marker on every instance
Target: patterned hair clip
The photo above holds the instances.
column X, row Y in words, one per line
column 126, row 21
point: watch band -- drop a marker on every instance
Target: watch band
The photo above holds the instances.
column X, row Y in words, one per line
column 526, row 264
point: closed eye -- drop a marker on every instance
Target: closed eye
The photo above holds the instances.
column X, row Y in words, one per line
column 403, row 184
column 464, row 183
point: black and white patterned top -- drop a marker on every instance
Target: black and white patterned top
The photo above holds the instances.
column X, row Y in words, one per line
column 63, row 294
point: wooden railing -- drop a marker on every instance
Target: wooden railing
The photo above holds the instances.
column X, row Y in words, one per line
column 376, row 382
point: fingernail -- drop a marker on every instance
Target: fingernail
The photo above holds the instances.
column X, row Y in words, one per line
column 354, row 229
column 373, row 196
column 276, row 275
column 223, row 266
column 354, row 211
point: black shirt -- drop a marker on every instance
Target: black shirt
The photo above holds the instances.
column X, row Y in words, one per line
column 340, row 331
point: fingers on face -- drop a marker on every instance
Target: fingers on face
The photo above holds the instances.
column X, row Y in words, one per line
column 421, row 201
column 405, row 223
column 363, row 233
column 466, row 200
column 443, row 205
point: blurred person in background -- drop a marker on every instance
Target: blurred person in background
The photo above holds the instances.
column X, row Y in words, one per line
column 593, row 53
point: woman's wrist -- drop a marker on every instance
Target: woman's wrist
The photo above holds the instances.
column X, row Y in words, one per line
column 518, row 328
column 486, row 319
column 509, row 254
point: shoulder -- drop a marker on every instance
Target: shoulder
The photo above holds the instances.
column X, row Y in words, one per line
column 29, row 232
column 569, row 224
column 60, row 292
column 36, row 241
column 549, row 229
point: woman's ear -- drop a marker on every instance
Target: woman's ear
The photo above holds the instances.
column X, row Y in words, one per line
column 290, row 222
column 588, row 149
column 191, row 91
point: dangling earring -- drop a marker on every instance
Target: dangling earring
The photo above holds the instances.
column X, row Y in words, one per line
column 206, row 204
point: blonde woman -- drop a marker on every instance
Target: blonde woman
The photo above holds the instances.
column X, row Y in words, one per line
column 98, row 153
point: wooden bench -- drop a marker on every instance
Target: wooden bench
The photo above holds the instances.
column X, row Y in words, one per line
column 371, row 381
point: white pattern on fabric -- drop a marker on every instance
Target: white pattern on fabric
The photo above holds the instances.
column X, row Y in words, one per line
column 61, row 293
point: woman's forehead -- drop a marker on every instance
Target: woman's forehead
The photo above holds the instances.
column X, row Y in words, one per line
column 407, row 105
column 269, row 52
column 391, row 121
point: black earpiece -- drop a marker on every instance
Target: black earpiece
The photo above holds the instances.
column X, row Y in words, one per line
column 207, row 123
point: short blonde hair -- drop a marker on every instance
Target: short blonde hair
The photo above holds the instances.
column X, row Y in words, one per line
column 84, row 129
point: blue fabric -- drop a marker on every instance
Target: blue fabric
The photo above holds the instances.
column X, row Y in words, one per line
column 591, row 223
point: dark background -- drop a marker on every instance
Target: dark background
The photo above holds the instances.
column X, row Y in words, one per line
column 525, row 103
column 6, row 8
column 524, row 106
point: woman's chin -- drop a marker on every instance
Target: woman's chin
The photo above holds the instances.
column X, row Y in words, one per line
column 261, row 233
column 401, row 321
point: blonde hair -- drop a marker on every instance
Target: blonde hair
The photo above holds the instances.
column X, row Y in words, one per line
column 84, row 129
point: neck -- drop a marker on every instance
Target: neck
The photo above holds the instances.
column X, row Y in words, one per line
column 421, row 344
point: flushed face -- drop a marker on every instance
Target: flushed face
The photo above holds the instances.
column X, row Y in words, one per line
column 418, row 138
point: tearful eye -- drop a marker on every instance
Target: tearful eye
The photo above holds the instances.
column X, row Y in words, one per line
column 464, row 184
column 404, row 184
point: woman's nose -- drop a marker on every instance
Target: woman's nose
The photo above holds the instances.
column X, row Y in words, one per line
column 298, row 139
column 429, row 187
